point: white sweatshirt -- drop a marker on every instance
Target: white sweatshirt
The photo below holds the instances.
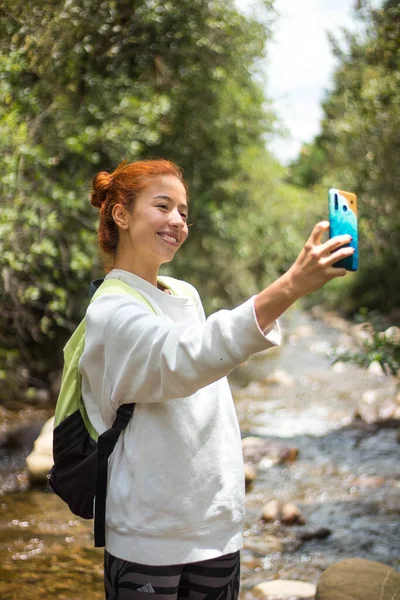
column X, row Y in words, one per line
column 176, row 483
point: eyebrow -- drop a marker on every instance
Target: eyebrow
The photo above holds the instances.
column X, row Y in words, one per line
column 181, row 205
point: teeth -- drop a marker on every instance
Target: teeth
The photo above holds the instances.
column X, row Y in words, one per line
column 167, row 237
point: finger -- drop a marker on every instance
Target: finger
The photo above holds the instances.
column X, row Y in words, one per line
column 338, row 272
column 335, row 242
column 338, row 255
column 317, row 233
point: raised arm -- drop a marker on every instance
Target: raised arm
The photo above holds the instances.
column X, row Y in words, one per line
column 311, row 270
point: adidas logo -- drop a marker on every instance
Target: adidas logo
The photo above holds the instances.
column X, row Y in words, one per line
column 146, row 588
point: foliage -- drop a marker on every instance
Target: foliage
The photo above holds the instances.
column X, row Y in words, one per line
column 256, row 242
column 88, row 83
column 375, row 345
column 358, row 149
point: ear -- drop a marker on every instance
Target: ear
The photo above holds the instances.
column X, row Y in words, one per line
column 119, row 215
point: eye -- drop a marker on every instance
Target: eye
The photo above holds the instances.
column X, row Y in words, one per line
column 164, row 206
column 184, row 216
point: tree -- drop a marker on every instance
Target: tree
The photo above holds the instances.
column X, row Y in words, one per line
column 359, row 148
column 87, row 83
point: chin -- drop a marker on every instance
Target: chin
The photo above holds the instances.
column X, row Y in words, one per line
column 167, row 260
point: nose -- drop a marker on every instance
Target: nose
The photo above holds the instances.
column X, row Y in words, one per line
column 176, row 219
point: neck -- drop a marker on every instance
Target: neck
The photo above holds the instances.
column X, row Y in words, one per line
column 144, row 271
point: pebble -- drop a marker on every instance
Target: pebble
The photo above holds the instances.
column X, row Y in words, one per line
column 283, row 512
column 256, row 449
column 284, row 589
column 375, row 368
column 250, row 473
column 393, row 334
column 38, row 397
column 315, row 534
column 378, row 405
column 268, row 544
column 304, row 331
column 281, row 377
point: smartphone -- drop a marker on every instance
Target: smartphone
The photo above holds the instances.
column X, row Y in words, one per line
column 343, row 220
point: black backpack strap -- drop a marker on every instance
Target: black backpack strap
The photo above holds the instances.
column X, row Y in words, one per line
column 94, row 286
column 105, row 445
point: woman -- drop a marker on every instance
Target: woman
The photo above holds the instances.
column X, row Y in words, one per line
column 175, row 503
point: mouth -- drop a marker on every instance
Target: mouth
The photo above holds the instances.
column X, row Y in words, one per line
column 170, row 238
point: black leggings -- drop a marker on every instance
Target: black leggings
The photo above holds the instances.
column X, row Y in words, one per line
column 215, row 579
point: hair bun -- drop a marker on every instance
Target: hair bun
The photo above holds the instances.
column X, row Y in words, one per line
column 100, row 186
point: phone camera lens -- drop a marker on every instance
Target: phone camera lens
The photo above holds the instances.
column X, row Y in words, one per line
column 336, row 202
column 344, row 207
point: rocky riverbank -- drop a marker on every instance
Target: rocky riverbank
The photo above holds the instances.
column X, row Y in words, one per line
column 322, row 458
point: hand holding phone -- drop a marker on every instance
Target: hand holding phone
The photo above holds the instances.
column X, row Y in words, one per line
column 343, row 220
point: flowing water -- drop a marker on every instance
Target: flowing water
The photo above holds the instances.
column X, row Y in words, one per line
column 345, row 480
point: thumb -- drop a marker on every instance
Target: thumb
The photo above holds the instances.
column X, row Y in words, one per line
column 318, row 232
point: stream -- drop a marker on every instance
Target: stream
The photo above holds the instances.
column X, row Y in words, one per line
column 344, row 477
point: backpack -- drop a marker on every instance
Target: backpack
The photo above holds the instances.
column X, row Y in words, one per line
column 80, row 471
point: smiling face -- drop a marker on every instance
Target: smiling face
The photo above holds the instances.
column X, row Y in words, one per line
column 154, row 230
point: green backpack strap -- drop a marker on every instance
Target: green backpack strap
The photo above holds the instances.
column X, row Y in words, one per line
column 178, row 287
column 70, row 396
column 116, row 286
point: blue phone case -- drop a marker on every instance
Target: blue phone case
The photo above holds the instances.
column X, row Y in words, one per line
column 343, row 220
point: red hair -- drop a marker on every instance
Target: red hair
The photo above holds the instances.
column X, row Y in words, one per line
column 122, row 187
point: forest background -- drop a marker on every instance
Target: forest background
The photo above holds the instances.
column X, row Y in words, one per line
column 87, row 83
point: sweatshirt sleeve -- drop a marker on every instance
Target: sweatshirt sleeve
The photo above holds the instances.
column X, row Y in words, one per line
column 151, row 359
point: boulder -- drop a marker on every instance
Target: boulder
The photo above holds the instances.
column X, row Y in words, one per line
column 284, row 589
column 40, row 460
column 358, row 579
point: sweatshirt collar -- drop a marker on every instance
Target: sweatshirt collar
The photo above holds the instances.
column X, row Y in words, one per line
column 140, row 283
